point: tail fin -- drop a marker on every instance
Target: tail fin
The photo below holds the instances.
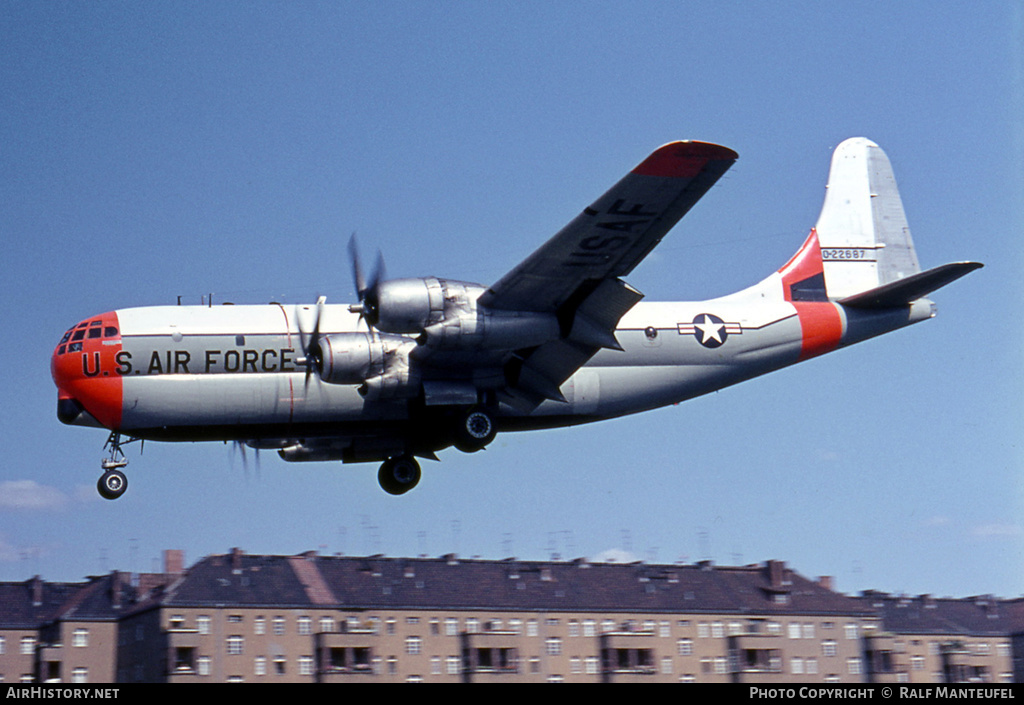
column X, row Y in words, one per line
column 867, row 253
column 862, row 230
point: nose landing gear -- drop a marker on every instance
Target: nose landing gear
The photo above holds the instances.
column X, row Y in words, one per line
column 113, row 483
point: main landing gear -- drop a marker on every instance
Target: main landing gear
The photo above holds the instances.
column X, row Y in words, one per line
column 113, row 483
column 398, row 475
column 468, row 430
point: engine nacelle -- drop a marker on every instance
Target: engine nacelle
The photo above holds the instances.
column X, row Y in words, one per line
column 378, row 363
column 350, row 358
column 410, row 305
column 493, row 330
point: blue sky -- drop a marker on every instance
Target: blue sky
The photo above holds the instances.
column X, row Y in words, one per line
column 156, row 150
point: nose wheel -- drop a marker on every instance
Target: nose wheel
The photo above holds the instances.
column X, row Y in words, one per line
column 113, row 483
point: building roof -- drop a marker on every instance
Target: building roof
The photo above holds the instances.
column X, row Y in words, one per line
column 924, row 614
column 30, row 604
column 378, row 582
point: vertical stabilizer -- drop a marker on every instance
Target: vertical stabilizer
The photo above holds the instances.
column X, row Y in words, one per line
column 862, row 230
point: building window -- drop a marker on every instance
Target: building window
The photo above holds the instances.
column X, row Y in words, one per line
column 413, row 644
column 808, row 630
column 80, row 675
column 531, row 627
column 553, row 646
column 591, row 665
column 851, row 631
column 828, row 648
column 203, row 665
column 305, row 626
column 305, row 665
column 326, row 625
column 80, row 637
column 664, row 629
column 796, row 666
column 279, row 626
column 472, row 625
column 589, row 627
column 717, row 630
column 811, row 666
column 574, row 628
column 236, row 645
column 203, row 624
column 453, row 665
column 853, row 666
column 451, row 626
column 259, row 666
column 28, row 645
column 685, row 647
column 259, row 624
column 794, row 630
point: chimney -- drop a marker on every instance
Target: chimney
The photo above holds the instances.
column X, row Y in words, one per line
column 116, row 581
column 37, row 591
column 236, row 560
column 826, row 581
column 776, row 573
column 174, row 561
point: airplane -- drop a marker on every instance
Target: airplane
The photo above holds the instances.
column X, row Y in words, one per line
column 419, row 365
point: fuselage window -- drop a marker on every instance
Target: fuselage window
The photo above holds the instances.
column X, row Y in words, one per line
column 110, row 332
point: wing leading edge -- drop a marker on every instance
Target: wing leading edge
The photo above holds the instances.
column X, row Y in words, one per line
column 613, row 235
column 576, row 273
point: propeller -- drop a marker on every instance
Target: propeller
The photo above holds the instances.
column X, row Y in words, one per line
column 311, row 342
column 368, row 294
column 239, row 448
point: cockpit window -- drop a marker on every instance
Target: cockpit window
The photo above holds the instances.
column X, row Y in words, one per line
column 110, row 332
column 95, row 333
column 79, row 334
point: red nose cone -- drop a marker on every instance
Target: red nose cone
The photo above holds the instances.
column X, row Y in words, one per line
column 85, row 370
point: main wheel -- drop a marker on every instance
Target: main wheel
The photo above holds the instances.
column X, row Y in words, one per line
column 112, row 484
column 474, row 430
column 399, row 475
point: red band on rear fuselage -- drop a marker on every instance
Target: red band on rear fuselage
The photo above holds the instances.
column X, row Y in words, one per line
column 803, row 285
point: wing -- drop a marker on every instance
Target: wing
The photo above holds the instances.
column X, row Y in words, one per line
column 576, row 273
column 613, row 235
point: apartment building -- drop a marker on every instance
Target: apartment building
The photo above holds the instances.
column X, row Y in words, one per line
column 240, row 617
column 941, row 640
column 312, row 618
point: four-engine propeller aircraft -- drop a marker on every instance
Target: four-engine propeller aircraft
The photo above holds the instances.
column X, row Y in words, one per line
column 419, row 365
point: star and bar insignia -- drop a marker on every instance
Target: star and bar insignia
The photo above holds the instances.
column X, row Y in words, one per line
column 709, row 330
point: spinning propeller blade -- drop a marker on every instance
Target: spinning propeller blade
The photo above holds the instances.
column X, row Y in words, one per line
column 367, row 293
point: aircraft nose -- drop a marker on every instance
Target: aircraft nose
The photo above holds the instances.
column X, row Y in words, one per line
column 84, row 368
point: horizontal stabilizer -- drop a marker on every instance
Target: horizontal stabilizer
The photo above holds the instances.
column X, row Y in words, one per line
column 912, row 288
